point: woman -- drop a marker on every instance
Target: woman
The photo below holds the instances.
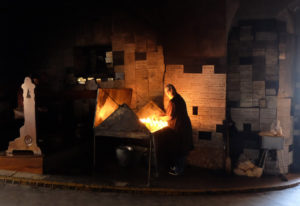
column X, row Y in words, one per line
column 178, row 121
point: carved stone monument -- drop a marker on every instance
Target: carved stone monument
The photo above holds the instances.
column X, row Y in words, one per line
column 27, row 139
column 21, row 162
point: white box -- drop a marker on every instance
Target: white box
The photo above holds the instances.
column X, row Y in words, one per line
column 272, row 142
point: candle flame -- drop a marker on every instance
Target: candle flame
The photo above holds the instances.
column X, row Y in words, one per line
column 154, row 125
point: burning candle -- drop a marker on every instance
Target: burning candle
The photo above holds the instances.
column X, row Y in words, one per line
column 154, row 125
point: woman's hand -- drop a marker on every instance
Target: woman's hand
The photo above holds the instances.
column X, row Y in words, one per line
column 165, row 118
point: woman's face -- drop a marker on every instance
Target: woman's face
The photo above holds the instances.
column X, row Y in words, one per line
column 168, row 93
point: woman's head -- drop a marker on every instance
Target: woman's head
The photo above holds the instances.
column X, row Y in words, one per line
column 170, row 91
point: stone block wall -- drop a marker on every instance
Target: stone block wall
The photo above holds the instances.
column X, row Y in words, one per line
column 205, row 96
column 143, row 66
column 259, row 87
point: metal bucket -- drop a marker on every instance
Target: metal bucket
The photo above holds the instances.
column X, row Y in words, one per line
column 125, row 155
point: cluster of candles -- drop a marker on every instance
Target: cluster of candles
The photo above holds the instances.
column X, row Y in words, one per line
column 82, row 80
column 154, row 125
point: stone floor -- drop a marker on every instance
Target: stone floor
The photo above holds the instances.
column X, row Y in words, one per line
column 193, row 181
column 12, row 195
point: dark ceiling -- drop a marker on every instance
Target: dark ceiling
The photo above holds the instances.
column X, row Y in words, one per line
column 197, row 27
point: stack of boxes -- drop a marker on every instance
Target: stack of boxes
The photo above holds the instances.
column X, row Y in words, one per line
column 259, row 82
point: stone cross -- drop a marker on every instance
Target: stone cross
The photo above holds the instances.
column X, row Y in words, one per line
column 27, row 139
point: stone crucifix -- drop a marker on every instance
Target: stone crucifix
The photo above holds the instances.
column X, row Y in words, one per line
column 27, row 139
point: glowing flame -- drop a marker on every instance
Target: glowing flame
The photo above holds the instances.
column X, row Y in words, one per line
column 154, row 125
